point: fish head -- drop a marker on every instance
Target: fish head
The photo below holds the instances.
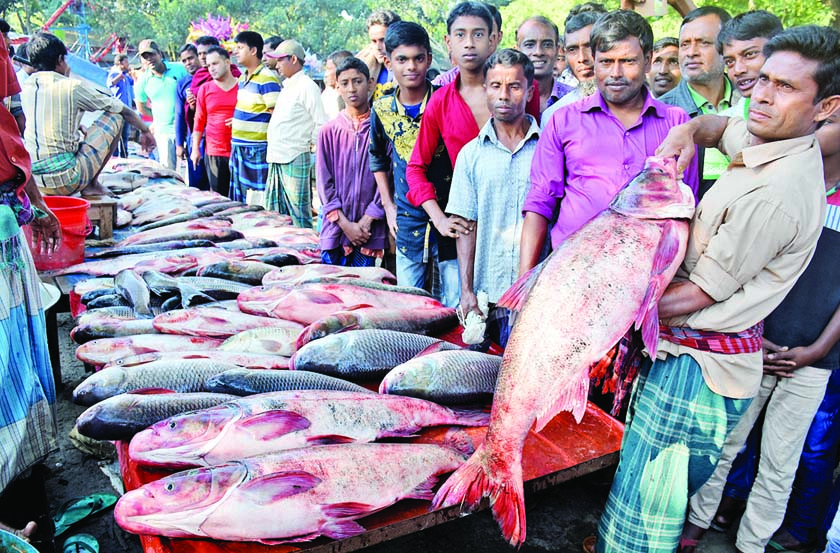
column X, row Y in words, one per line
column 183, row 440
column 656, row 193
column 135, row 360
column 178, row 505
column 321, row 353
column 337, row 322
column 412, row 378
column 101, row 385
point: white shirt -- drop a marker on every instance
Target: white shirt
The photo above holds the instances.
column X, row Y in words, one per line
column 296, row 120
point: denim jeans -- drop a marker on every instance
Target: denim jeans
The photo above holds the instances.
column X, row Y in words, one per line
column 450, row 283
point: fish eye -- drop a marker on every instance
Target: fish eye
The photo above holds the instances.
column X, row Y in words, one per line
column 172, row 424
column 169, row 486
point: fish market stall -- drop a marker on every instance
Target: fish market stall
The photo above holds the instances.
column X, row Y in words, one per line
column 217, row 317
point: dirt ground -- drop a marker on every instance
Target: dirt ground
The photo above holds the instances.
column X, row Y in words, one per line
column 558, row 518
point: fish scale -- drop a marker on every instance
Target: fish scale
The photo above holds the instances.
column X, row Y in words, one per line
column 243, row 382
column 362, row 354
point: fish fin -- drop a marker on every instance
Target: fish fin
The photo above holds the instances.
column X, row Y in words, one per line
column 498, row 478
column 279, row 485
column 434, row 348
column 152, row 391
column 319, row 297
column 459, row 440
column 329, row 439
column 471, row 417
column 668, row 253
column 340, row 529
column 572, row 398
column 514, row 298
column 273, row 424
column 358, row 306
column 424, row 490
column 348, row 509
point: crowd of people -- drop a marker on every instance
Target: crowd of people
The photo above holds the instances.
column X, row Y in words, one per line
column 464, row 183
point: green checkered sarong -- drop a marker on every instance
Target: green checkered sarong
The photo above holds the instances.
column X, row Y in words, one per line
column 675, row 431
column 289, row 191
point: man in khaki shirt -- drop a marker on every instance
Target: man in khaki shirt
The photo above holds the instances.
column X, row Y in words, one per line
column 751, row 238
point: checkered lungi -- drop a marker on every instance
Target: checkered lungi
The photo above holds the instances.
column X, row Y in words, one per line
column 93, row 151
column 676, row 426
column 289, row 190
column 27, row 398
column 248, row 169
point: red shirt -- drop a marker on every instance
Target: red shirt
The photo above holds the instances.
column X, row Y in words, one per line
column 213, row 107
column 447, row 118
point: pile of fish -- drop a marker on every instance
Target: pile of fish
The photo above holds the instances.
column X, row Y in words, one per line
column 221, row 342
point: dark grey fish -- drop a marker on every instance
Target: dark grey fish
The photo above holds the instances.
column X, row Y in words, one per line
column 217, row 204
column 197, row 214
column 246, row 272
column 122, row 416
column 447, row 377
column 233, row 210
column 98, row 293
column 108, row 300
column 279, row 259
column 214, row 235
column 111, row 328
column 245, row 244
column 243, row 382
column 362, row 354
column 147, row 248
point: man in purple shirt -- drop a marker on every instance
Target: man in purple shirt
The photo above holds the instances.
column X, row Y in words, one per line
column 590, row 149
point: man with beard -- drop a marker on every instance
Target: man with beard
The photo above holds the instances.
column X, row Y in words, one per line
column 704, row 87
column 489, row 187
column 579, row 25
column 664, row 74
column 628, row 123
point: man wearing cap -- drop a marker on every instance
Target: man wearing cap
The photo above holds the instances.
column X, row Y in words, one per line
column 292, row 134
column 159, row 83
column 64, row 163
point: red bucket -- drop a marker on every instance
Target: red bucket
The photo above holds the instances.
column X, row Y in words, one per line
column 72, row 214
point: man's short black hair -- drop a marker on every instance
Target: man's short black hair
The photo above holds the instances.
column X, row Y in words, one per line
column 509, row 58
column 812, row 42
column 406, row 33
column 619, row 25
column 543, row 21
column 339, row 56
column 470, row 9
column 207, row 40
column 273, row 42
column 496, row 14
column 586, row 7
column 703, row 11
column 749, row 25
column 386, row 18
column 352, row 63
column 4, row 26
column 219, row 50
column 44, row 51
column 251, row 40
column 664, row 42
column 188, row 48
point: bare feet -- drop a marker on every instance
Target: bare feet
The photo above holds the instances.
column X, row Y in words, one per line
column 24, row 534
column 96, row 189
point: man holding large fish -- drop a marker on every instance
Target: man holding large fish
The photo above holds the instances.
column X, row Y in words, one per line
column 751, row 237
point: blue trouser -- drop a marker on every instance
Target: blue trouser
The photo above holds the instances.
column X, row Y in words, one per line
column 808, row 513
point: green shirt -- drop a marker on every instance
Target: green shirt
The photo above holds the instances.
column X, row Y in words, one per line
column 160, row 89
column 714, row 163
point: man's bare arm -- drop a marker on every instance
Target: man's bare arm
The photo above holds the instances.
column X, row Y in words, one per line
column 534, row 232
column 706, row 131
column 682, row 298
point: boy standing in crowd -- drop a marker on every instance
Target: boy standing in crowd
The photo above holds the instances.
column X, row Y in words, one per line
column 395, row 123
column 354, row 232
column 121, row 84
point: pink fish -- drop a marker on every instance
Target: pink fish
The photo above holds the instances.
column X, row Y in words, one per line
column 417, row 321
column 310, row 302
column 240, row 359
column 292, row 496
column 175, row 262
column 106, row 350
column 154, row 235
column 215, row 323
column 293, row 275
column 605, row 279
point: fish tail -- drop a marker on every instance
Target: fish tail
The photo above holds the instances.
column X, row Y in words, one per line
column 470, row 417
column 502, row 483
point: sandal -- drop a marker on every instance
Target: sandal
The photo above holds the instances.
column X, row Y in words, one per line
column 80, row 508
column 15, row 542
column 81, row 543
column 687, row 545
column 776, row 547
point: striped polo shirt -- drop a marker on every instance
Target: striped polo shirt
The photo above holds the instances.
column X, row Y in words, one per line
column 254, row 102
